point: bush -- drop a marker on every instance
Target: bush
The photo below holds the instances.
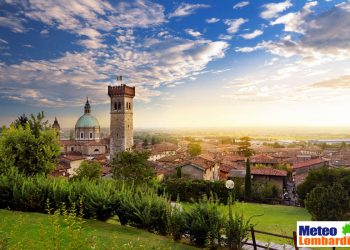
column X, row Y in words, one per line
column 265, row 192
column 204, row 222
column 176, row 222
column 328, row 203
column 236, row 231
column 194, row 190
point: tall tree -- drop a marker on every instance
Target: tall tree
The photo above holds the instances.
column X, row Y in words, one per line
column 194, row 149
column 247, row 182
column 132, row 166
column 28, row 151
column 244, row 147
column 21, row 121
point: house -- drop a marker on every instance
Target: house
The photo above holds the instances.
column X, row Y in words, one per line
column 72, row 163
column 161, row 150
column 264, row 159
column 269, row 175
column 306, row 166
column 201, row 169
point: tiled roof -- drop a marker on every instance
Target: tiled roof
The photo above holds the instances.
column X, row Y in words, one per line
column 163, row 147
column 263, row 158
column 308, row 163
column 233, row 158
column 73, row 157
column 268, row 171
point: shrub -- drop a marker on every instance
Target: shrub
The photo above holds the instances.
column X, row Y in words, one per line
column 204, row 222
column 236, row 230
column 176, row 222
column 328, row 203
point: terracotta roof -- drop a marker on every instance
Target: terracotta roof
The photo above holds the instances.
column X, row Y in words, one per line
column 200, row 163
column 308, row 163
column 207, row 157
column 268, row 171
column 233, row 158
column 163, row 147
column 263, row 158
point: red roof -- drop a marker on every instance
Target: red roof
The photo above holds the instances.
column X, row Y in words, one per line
column 268, row 171
column 263, row 159
column 308, row 163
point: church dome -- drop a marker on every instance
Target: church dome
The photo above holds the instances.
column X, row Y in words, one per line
column 87, row 121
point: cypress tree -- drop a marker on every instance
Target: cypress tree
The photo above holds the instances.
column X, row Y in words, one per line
column 248, row 182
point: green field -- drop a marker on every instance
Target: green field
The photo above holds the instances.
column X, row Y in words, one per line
column 274, row 219
column 35, row 231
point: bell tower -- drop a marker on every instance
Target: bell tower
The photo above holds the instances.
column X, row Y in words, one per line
column 121, row 128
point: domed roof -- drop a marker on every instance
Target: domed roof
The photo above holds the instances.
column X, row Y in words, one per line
column 87, row 121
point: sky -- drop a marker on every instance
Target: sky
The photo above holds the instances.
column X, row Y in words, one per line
column 194, row 63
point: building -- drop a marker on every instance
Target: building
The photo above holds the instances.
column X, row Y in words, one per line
column 162, row 150
column 56, row 126
column 121, row 126
column 201, row 169
column 87, row 127
column 87, row 136
column 269, row 175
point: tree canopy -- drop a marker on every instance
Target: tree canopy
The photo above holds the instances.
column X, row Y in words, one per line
column 132, row 166
column 244, row 147
column 91, row 170
column 29, row 145
column 194, row 149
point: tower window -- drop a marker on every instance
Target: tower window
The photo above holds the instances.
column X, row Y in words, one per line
column 81, row 135
column 119, row 105
column 115, row 105
column 72, row 149
column 90, row 135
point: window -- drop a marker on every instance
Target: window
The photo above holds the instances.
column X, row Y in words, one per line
column 72, row 149
column 81, row 135
column 119, row 105
column 115, row 105
column 90, row 135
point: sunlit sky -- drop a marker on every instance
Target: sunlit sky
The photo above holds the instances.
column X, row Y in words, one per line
column 194, row 63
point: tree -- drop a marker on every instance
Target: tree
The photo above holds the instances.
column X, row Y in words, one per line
column 21, row 121
column 90, row 170
column 133, row 166
column 194, row 149
column 328, row 203
column 244, row 147
column 145, row 142
column 247, row 182
column 31, row 152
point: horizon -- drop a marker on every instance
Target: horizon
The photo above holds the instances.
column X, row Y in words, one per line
column 276, row 64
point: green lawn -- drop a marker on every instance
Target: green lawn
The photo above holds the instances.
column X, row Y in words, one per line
column 36, row 231
column 274, row 219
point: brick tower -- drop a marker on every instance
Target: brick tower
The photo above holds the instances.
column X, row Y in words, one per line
column 121, row 128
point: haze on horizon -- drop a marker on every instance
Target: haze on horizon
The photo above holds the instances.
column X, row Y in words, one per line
column 195, row 64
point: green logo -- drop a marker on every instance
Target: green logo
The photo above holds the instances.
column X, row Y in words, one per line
column 346, row 229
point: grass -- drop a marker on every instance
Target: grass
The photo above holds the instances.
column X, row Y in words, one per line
column 273, row 219
column 36, row 231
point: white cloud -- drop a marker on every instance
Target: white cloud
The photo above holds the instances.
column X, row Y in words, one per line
column 186, row 9
column 193, row 33
column 225, row 37
column 294, row 21
column 272, row 10
column 15, row 24
column 252, row 35
column 241, row 4
column 234, row 24
column 212, row 20
column 3, row 41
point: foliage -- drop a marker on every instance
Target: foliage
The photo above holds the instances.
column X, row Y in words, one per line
column 328, row 203
column 132, row 166
column 244, row 147
column 194, row 149
column 176, row 222
column 194, row 190
column 90, row 170
column 31, row 149
column 265, row 192
column 204, row 222
column 236, row 230
column 247, row 182
column 324, row 176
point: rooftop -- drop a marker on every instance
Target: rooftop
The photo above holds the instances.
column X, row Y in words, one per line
column 308, row 163
column 268, row 172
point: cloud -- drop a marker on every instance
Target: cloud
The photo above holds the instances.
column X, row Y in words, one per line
column 3, row 41
column 193, row 33
column 294, row 21
column 186, row 9
column 252, row 35
column 225, row 37
column 272, row 10
column 234, row 24
column 14, row 23
column 241, row 4
column 342, row 82
column 212, row 20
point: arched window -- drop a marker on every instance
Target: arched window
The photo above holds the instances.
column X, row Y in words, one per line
column 115, row 105
column 81, row 135
column 90, row 135
column 72, row 149
column 119, row 105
